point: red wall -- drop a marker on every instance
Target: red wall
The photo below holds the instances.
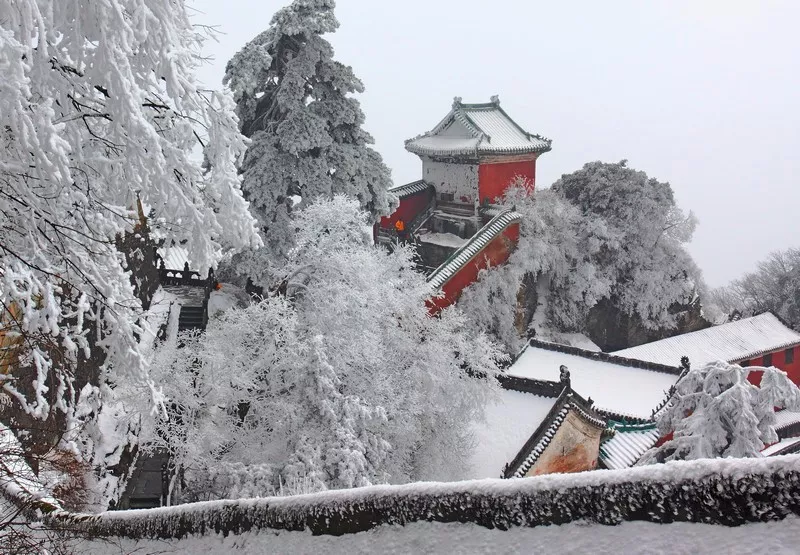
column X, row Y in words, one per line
column 409, row 207
column 495, row 253
column 493, row 179
column 778, row 361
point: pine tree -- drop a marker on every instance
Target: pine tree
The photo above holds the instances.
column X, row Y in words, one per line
column 294, row 101
column 716, row 412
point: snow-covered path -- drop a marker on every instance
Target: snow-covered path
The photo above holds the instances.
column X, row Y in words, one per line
column 629, row 537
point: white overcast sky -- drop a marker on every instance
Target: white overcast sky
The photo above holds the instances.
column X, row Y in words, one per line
column 704, row 94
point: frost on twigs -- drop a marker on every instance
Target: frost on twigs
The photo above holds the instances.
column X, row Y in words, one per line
column 94, row 110
column 603, row 233
column 716, row 412
column 340, row 379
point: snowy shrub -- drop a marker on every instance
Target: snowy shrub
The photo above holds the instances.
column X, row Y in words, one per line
column 340, row 378
column 716, row 412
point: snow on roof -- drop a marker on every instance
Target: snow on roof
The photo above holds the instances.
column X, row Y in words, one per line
column 783, row 447
column 615, row 384
column 442, row 239
column 472, row 247
column 731, row 342
column 474, row 129
column 403, row 191
column 510, row 422
column 627, row 445
column 175, row 258
column 785, row 418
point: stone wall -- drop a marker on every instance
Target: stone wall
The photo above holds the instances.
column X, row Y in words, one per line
column 460, row 180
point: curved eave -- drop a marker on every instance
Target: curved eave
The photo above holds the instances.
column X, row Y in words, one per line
column 422, row 150
column 762, row 352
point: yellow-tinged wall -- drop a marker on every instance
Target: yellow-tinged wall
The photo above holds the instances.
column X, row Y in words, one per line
column 9, row 336
column 574, row 448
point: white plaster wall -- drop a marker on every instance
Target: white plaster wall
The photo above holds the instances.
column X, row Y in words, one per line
column 459, row 179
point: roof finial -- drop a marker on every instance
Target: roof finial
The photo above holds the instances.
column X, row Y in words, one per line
column 495, row 100
column 456, row 101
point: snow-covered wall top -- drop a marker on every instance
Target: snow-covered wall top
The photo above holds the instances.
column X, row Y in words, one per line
column 721, row 491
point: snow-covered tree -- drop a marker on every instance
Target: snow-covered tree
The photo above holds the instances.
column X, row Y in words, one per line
column 98, row 105
column 643, row 249
column 606, row 232
column 716, row 412
column 295, row 103
column 774, row 286
column 341, row 378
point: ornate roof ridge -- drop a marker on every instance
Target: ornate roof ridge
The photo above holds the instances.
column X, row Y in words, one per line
column 505, row 143
column 567, row 400
column 599, row 356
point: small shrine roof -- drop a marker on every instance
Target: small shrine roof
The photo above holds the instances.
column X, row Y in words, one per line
column 408, row 189
column 732, row 342
column 510, row 420
column 474, row 129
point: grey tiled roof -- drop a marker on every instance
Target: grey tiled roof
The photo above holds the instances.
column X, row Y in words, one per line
column 403, row 191
column 472, row 247
column 628, row 444
column 732, row 342
column 472, row 129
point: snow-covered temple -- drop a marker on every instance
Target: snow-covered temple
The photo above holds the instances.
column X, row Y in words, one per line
column 469, row 159
column 566, row 409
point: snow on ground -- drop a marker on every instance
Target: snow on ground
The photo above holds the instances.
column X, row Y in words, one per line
column 629, row 537
column 509, row 423
column 621, row 389
column 227, row 296
column 443, row 239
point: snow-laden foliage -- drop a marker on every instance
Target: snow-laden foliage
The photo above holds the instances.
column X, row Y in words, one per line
column 643, row 252
column 774, row 286
column 716, row 412
column 98, row 105
column 603, row 232
column 339, row 378
column 295, row 103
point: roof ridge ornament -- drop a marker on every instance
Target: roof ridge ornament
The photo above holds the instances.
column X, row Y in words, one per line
column 456, row 102
column 495, row 99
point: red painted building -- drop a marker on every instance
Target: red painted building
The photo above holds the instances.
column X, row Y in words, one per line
column 762, row 340
column 469, row 159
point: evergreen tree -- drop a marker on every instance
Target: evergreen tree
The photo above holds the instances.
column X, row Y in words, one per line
column 716, row 412
column 295, row 103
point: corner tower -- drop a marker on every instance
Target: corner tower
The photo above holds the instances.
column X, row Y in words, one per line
column 475, row 152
